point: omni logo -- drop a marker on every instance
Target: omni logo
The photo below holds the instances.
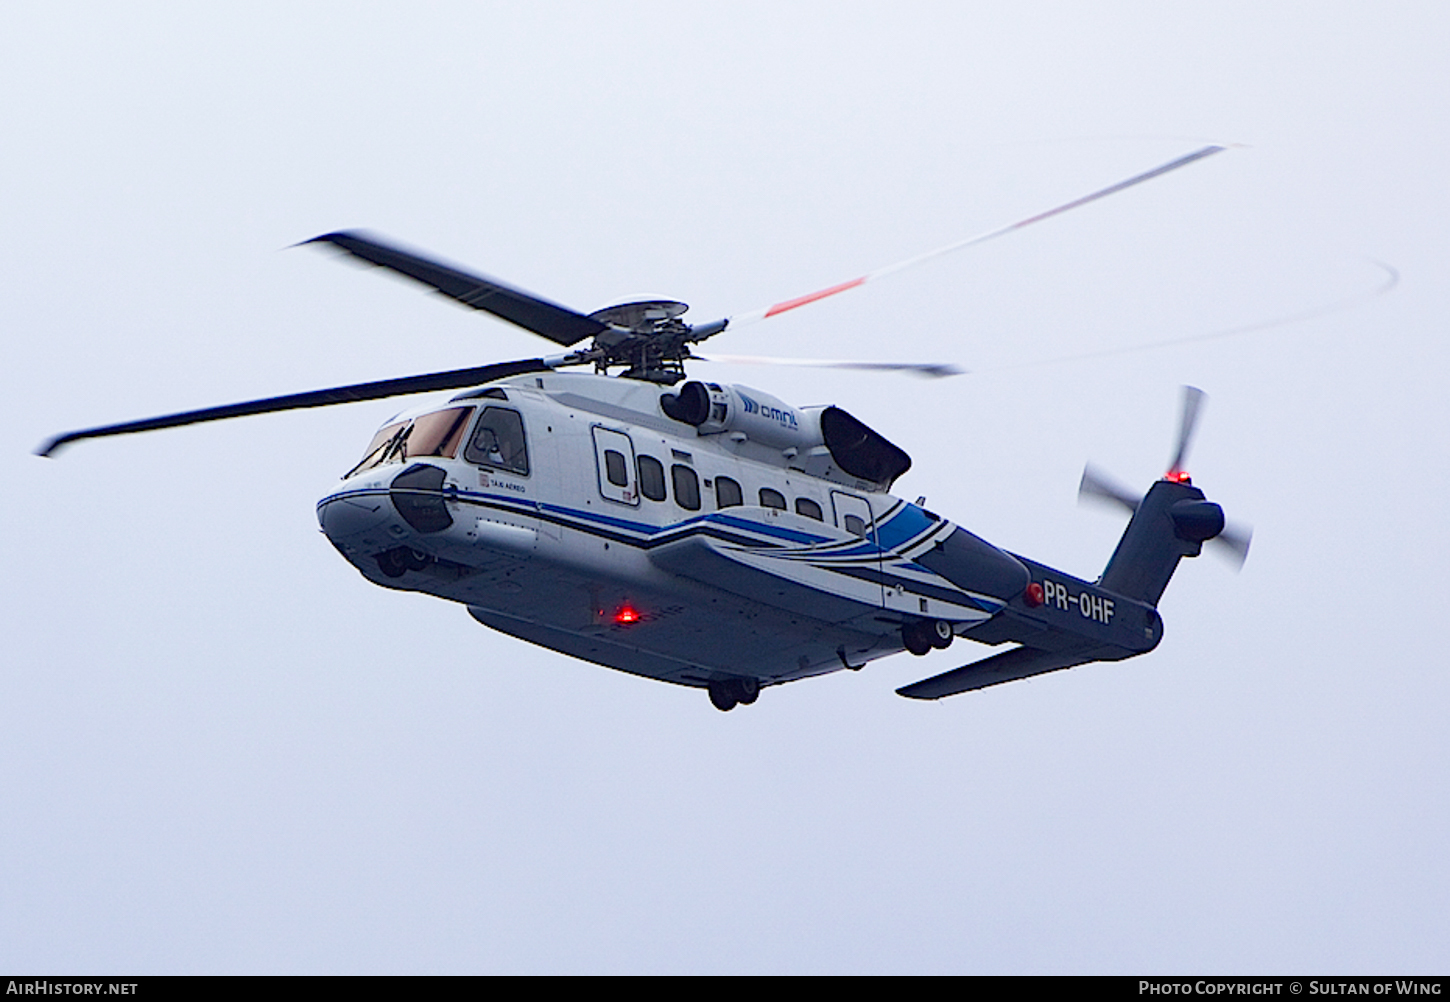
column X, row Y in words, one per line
column 785, row 418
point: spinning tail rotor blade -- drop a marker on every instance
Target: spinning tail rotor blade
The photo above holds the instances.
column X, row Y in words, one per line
column 1193, row 399
column 1097, row 485
column 1233, row 543
column 742, row 319
column 428, row 382
column 557, row 323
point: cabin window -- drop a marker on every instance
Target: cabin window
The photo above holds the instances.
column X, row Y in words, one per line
column 808, row 508
column 855, row 525
column 498, row 441
column 772, row 499
column 687, row 487
column 651, row 478
column 614, row 470
column 727, row 493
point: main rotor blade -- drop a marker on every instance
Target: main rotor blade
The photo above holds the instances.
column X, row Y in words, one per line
column 790, row 304
column 557, row 323
column 936, row 370
column 452, row 380
column 1193, row 399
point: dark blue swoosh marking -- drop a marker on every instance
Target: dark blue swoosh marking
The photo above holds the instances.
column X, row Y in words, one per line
column 910, row 522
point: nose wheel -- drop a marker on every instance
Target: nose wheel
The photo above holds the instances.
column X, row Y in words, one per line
column 726, row 694
column 401, row 559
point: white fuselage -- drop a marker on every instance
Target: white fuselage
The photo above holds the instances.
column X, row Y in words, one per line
column 568, row 510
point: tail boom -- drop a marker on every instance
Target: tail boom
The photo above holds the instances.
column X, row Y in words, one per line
column 1061, row 621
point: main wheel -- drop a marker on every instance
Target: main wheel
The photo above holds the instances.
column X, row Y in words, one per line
column 722, row 696
column 746, row 690
column 941, row 634
column 914, row 635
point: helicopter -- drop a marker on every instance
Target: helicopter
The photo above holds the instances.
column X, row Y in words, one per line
column 706, row 534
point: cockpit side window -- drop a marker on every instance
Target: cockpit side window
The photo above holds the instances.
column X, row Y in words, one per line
column 498, row 441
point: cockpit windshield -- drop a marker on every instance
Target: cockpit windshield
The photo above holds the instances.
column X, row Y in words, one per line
column 436, row 434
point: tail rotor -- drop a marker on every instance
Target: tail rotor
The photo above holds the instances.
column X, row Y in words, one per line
column 1231, row 541
column 1193, row 399
column 1098, row 486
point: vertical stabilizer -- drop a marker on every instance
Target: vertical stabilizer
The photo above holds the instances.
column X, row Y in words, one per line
column 1170, row 523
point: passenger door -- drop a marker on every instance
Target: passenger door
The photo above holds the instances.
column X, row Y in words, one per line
column 853, row 514
column 614, row 461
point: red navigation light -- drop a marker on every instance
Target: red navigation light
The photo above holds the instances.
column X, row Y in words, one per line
column 626, row 614
column 1178, row 476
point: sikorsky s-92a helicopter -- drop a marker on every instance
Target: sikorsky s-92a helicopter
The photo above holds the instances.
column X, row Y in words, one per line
column 704, row 534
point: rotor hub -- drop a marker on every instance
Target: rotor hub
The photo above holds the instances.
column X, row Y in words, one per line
column 645, row 336
column 645, row 316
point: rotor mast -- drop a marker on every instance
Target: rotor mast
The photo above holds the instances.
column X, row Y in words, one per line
column 647, row 337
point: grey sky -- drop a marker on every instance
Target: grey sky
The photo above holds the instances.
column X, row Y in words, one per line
column 224, row 751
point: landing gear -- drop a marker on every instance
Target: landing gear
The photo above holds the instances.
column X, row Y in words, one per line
column 725, row 694
column 923, row 635
column 393, row 562
column 747, row 690
column 721, row 696
column 401, row 559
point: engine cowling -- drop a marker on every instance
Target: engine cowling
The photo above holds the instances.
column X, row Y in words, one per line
column 806, row 435
column 714, row 409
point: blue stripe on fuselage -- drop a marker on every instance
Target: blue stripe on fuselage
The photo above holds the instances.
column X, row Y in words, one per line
column 910, row 522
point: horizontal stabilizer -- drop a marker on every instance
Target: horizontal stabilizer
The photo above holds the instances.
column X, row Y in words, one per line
column 1008, row 666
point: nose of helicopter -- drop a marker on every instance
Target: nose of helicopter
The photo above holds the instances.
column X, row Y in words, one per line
column 379, row 514
column 346, row 518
